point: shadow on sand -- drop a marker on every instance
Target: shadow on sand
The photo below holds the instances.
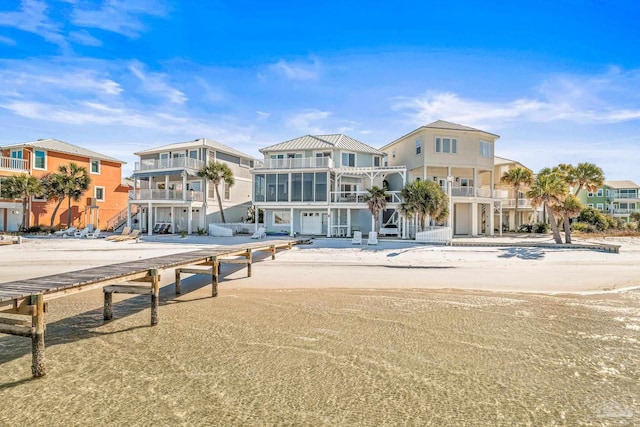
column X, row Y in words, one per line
column 522, row 253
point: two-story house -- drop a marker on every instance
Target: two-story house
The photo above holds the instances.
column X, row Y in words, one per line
column 105, row 197
column 168, row 189
column 317, row 185
column 506, row 214
column 461, row 160
column 617, row 198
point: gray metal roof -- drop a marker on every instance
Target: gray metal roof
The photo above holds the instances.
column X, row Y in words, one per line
column 621, row 184
column 64, row 147
column 200, row 142
column 323, row 142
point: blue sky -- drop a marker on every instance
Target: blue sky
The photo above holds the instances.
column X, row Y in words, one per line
column 559, row 81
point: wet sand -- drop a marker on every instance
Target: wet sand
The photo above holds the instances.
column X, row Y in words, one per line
column 358, row 343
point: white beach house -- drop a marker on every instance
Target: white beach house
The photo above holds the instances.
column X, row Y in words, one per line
column 461, row 160
column 169, row 191
column 316, row 185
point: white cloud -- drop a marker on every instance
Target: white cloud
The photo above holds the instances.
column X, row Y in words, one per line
column 296, row 70
column 33, row 18
column 83, row 37
column 119, row 16
column 306, row 121
column 156, row 84
column 7, row 41
column 560, row 98
column 262, row 115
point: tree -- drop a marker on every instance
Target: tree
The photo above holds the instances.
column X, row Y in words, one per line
column 635, row 216
column 586, row 176
column 217, row 173
column 569, row 208
column 23, row 187
column 422, row 199
column 54, row 190
column 517, row 177
column 75, row 181
column 377, row 201
column 549, row 188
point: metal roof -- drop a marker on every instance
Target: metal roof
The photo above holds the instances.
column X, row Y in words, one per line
column 323, row 142
column 64, row 147
column 621, row 184
column 200, row 142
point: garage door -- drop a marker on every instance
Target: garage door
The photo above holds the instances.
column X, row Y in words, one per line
column 311, row 223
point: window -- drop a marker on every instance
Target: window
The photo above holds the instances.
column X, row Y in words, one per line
column 39, row 159
column 281, row 217
column 418, row 146
column 321, row 187
column 393, row 153
column 486, row 149
column 590, row 194
column 307, row 187
column 589, row 205
column 348, row 159
column 446, row 145
column 376, row 161
column 95, row 167
column 227, row 191
column 271, row 187
column 296, row 187
column 258, row 187
column 193, row 154
column 98, row 193
column 283, row 187
column 599, row 206
column 600, row 193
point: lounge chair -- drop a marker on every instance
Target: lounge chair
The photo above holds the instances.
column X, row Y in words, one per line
column 373, row 238
column 164, row 228
column 125, row 231
column 81, row 233
column 260, row 233
column 63, row 233
column 94, row 234
column 357, row 238
column 134, row 235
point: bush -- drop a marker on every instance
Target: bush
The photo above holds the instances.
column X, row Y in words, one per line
column 541, row 227
column 593, row 217
column 583, row 227
column 525, row 228
column 34, row 229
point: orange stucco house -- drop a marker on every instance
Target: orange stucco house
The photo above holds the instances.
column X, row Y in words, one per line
column 104, row 201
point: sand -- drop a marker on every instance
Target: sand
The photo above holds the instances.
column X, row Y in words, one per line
column 331, row 334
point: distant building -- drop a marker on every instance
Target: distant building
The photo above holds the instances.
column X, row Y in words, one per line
column 104, row 199
column 526, row 213
column 169, row 191
column 617, row 198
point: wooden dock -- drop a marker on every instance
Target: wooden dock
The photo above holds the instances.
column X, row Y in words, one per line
column 28, row 297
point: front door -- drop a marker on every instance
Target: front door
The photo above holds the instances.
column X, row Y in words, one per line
column 311, row 223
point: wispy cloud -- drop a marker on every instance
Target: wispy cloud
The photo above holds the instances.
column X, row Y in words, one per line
column 83, row 37
column 156, row 84
column 7, row 41
column 309, row 70
column 119, row 16
column 560, row 98
column 307, row 121
column 33, row 18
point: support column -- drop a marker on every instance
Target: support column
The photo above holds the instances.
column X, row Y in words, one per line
column 173, row 220
column 474, row 219
column 150, row 219
column 37, row 336
column 178, row 282
column 215, row 274
column 184, row 187
column 155, row 296
column 107, row 310
column 128, row 215
column 492, row 220
column 404, row 227
column 249, row 257
column 189, row 219
column 328, row 222
column 291, row 232
column 348, row 222
column 166, row 187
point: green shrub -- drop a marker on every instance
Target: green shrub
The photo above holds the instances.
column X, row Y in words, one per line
column 541, row 227
column 595, row 218
column 582, row 227
column 525, row 228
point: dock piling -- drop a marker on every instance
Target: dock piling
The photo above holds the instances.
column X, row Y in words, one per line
column 38, row 368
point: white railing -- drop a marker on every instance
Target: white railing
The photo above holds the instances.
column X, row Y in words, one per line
column 434, row 235
column 361, row 196
column 462, row 191
column 522, row 203
column 618, row 195
column 238, row 227
column 297, row 163
column 9, row 163
column 623, row 211
column 178, row 162
column 141, row 194
column 472, row 192
column 121, row 217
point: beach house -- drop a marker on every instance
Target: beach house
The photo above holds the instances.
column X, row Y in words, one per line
column 619, row 199
column 507, row 214
column 317, row 185
column 168, row 190
column 104, row 199
column 461, row 160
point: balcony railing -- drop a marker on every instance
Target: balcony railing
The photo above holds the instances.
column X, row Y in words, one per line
column 361, row 196
column 9, row 163
column 522, row 203
column 176, row 163
column 297, row 163
column 173, row 195
column 612, row 195
column 622, row 211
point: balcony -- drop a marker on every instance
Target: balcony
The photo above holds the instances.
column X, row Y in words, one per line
column 617, row 195
column 622, row 212
column 297, row 163
column 168, row 195
column 11, row 164
column 511, row 203
column 346, row 197
column 472, row 192
column 176, row 163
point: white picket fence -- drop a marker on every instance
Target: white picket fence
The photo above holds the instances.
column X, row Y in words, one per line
column 434, row 235
column 238, row 227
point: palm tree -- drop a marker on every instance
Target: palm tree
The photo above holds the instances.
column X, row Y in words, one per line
column 76, row 181
column 569, row 208
column 550, row 189
column 422, row 199
column 586, row 176
column 377, row 201
column 23, row 187
column 517, row 177
column 54, row 190
column 217, row 172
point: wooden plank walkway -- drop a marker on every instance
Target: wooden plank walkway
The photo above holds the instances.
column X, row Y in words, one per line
column 27, row 297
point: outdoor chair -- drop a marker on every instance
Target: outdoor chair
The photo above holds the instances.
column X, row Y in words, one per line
column 81, row 233
column 125, row 231
column 260, row 233
column 133, row 235
column 357, row 238
column 373, row 238
column 68, row 232
column 94, row 234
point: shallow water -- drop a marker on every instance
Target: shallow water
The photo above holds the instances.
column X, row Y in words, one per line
column 333, row 357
